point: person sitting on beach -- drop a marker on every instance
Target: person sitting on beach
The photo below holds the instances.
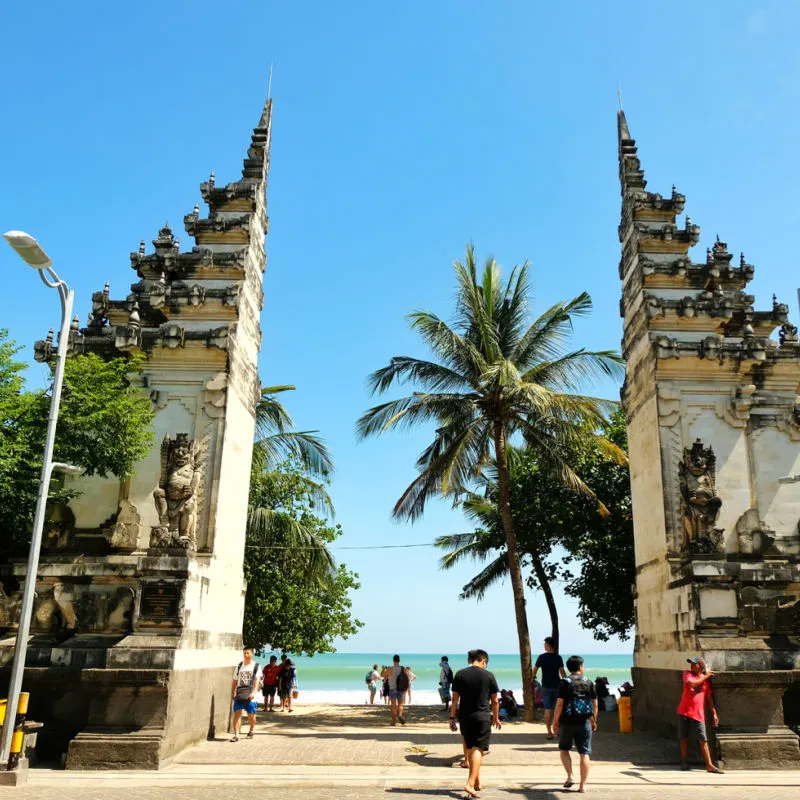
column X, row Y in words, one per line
column 373, row 678
column 397, row 689
column 508, row 705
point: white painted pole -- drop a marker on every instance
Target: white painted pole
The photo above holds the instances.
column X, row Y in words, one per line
column 67, row 298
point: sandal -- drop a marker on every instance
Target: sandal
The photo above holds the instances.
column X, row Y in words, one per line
column 716, row 771
column 569, row 783
column 234, row 738
column 249, row 735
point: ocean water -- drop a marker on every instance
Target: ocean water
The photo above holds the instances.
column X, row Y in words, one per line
column 339, row 677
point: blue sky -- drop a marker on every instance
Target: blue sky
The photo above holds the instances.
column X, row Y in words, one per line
column 401, row 131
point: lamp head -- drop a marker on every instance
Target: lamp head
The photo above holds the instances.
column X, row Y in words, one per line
column 28, row 249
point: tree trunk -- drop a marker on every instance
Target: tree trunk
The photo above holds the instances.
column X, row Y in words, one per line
column 544, row 582
column 515, row 571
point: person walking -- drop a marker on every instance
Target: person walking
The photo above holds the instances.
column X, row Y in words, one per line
column 373, row 677
column 398, row 686
column 270, row 683
column 475, row 706
column 692, row 712
column 243, row 693
column 575, row 720
column 287, row 683
column 445, row 681
column 552, row 666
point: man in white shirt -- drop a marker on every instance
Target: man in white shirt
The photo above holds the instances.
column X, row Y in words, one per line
column 373, row 678
column 243, row 693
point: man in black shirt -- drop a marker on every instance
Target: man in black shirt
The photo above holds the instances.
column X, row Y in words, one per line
column 575, row 719
column 552, row 666
column 475, row 704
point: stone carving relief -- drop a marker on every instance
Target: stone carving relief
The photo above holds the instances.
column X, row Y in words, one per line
column 700, row 504
column 215, row 395
column 120, row 609
column 754, row 537
column 768, row 610
column 177, row 497
column 9, row 608
column 125, row 533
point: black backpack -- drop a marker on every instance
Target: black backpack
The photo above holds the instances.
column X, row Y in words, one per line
column 580, row 705
column 402, row 681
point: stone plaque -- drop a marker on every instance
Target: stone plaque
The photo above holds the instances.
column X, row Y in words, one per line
column 160, row 602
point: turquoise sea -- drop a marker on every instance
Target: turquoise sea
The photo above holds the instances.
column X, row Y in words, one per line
column 339, row 677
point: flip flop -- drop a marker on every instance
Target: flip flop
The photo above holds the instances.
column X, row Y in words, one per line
column 569, row 783
column 249, row 735
column 234, row 738
column 716, row 771
column 471, row 792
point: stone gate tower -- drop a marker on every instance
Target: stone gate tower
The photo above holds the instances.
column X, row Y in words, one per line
column 714, row 434
column 140, row 596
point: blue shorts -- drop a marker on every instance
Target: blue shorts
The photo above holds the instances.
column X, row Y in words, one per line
column 250, row 707
column 577, row 733
column 549, row 697
column 395, row 695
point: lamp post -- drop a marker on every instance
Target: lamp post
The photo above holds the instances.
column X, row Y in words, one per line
column 32, row 254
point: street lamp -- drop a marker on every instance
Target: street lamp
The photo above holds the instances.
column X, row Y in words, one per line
column 32, row 254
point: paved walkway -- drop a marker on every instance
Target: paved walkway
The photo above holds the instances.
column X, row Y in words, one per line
column 329, row 753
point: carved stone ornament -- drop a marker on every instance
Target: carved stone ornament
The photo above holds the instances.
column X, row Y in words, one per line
column 215, row 395
column 125, row 534
column 700, row 504
column 177, row 497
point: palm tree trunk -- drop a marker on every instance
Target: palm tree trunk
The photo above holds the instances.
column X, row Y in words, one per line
column 544, row 582
column 515, row 570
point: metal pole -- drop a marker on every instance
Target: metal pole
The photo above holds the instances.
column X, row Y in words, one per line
column 17, row 670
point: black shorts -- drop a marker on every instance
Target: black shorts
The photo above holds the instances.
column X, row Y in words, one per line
column 476, row 732
column 687, row 724
column 269, row 691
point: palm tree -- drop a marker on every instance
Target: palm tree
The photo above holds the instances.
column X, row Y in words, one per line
column 484, row 543
column 277, row 446
column 494, row 375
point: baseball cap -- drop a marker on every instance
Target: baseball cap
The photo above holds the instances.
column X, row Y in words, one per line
column 695, row 660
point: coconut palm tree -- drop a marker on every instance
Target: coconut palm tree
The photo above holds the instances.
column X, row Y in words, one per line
column 276, row 448
column 495, row 374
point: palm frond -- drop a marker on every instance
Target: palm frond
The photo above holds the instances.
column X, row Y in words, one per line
column 409, row 411
column 491, row 574
column 572, row 370
column 432, row 376
column 305, row 446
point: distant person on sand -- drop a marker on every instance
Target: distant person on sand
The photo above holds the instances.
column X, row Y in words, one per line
column 281, row 667
column 287, row 684
column 270, row 682
column 385, row 690
column 445, row 681
column 476, row 707
column 398, row 687
column 411, row 678
column 575, row 719
column 692, row 711
column 552, row 666
column 243, row 693
column 373, row 678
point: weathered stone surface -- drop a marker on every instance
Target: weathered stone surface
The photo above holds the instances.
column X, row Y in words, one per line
column 714, row 442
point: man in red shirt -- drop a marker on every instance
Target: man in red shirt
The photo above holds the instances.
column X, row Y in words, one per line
column 692, row 711
column 271, row 683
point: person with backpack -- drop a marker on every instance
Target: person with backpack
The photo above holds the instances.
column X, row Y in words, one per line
column 575, row 719
column 398, row 686
column 372, row 678
column 243, row 693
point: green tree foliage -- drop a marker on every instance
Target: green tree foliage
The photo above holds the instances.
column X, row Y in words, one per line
column 563, row 535
column 496, row 374
column 104, row 427
column 298, row 598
